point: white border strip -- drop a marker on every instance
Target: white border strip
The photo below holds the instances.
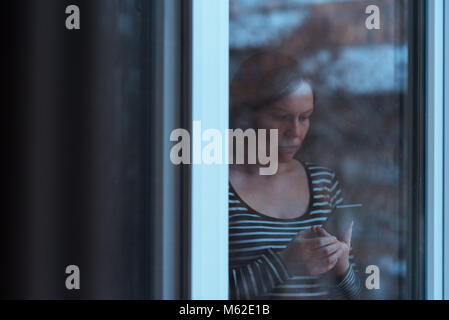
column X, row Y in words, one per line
column 435, row 101
column 210, row 182
column 446, row 151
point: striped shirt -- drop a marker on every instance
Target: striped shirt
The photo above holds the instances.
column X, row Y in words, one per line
column 257, row 272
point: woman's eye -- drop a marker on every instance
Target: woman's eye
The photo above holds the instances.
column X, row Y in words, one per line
column 302, row 119
column 281, row 116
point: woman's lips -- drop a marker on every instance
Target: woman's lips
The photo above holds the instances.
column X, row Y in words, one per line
column 288, row 149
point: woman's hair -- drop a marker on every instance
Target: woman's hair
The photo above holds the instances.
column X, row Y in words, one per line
column 261, row 80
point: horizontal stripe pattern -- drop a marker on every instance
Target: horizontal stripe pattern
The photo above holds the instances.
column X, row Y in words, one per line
column 350, row 286
column 256, row 270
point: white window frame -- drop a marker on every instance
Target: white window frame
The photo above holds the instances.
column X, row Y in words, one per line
column 210, row 96
column 210, row 67
column 435, row 258
column 446, row 152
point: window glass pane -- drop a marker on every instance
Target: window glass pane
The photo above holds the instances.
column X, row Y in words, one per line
column 351, row 59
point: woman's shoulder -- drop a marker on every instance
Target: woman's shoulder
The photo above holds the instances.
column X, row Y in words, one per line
column 324, row 183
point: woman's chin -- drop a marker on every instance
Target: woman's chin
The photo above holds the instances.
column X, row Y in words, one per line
column 286, row 156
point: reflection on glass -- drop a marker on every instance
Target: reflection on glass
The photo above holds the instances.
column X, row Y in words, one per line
column 355, row 80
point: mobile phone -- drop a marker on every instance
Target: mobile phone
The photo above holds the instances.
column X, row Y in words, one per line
column 341, row 219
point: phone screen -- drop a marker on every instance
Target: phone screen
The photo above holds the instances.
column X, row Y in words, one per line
column 341, row 219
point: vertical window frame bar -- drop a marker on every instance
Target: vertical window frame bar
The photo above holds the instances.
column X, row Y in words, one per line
column 415, row 126
column 446, row 153
column 165, row 66
column 210, row 96
column 434, row 181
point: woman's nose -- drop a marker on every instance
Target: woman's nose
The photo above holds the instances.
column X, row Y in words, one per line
column 295, row 129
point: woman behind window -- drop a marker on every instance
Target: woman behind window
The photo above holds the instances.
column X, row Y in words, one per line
column 278, row 247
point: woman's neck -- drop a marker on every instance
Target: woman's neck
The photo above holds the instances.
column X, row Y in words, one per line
column 254, row 169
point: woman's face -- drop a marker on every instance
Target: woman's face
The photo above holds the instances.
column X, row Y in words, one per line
column 291, row 116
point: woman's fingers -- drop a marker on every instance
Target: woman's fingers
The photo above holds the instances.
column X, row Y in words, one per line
column 308, row 233
column 319, row 242
column 333, row 258
column 326, row 263
column 318, row 250
column 348, row 235
column 328, row 250
column 323, row 233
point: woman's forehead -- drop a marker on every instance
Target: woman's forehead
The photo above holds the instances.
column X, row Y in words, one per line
column 303, row 88
column 294, row 103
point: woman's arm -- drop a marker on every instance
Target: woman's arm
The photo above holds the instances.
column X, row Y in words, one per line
column 303, row 255
column 347, row 286
column 344, row 280
column 254, row 279
column 347, row 281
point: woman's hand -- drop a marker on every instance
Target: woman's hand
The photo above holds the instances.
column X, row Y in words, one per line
column 343, row 262
column 312, row 254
